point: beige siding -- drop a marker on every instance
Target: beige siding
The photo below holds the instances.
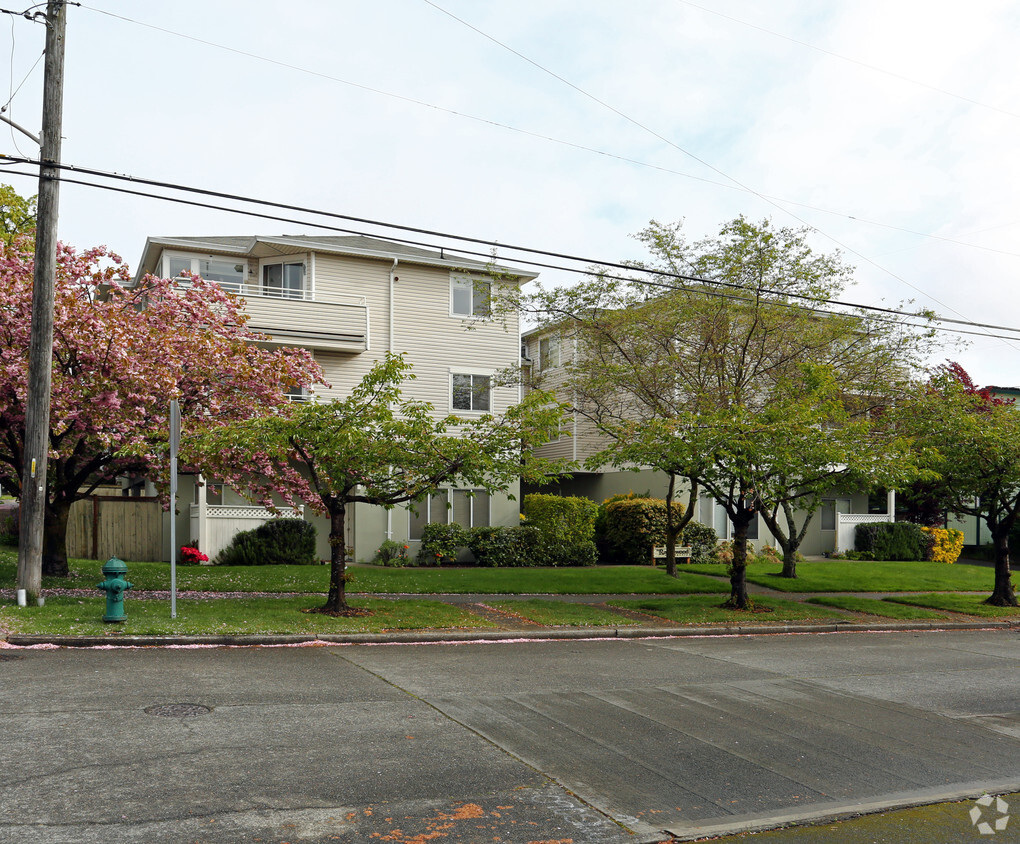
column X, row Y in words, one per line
column 581, row 438
column 435, row 343
column 334, row 325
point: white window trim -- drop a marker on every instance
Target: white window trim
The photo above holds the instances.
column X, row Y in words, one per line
column 425, row 507
column 307, row 261
column 488, row 373
column 456, row 278
column 556, row 356
column 195, row 258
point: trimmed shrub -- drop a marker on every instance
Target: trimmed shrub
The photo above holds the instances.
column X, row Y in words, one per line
column 441, row 543
column 560, row 552
column 605, row 549
column 891, row 541
column 634, row 525
column 392, row 553
column 702, row 540
column 278, row 542
column 567, row 517
column 943, row 545
column 507, row 547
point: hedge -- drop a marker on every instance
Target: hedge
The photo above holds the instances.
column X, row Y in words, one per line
column 703, row 541
column 441, row 543
column 565, row 517
column 278, row 542
column 633, row 526
column 505, row 547
column 892, row 541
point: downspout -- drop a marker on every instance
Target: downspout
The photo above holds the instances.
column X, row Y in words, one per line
column 393, row 280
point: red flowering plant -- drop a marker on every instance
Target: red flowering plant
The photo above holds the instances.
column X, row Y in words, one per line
column 191, row 556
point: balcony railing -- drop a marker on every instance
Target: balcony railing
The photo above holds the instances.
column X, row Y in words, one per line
column 338, row 324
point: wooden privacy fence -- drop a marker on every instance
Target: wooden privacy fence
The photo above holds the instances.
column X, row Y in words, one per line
column 104, row 526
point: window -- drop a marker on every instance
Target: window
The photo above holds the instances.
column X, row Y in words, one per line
column 296, row 393
column 827, row 513
column 284, row 280
column 549, row 353
column 228, row 273
column 471, row 392
column 465, row 507
column 830, row 508
column 720, row 520
column 470, row 297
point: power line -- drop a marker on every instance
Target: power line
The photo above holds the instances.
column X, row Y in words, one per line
column 588, row 262
column 690, row 154
column 550, row 139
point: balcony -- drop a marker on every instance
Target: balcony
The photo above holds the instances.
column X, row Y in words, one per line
column 339, row 324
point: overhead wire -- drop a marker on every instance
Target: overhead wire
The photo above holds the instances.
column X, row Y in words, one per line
column 543, row 137
column 590, row 264
column 697, row 158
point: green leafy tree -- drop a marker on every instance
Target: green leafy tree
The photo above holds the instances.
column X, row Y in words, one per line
column 374, row 447
column 973, row 444
column 690, row 370
column 17, row 215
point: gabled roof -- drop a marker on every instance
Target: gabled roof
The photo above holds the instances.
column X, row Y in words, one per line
column 357, row 246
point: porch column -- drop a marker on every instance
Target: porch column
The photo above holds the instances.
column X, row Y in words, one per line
column 890, row 504
column 203, row 522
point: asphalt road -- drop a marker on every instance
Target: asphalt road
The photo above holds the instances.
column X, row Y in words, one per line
column 567, row 741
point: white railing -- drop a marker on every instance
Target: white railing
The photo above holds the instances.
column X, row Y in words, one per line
column 306, row 294
column 846, row 524
column 215, row 525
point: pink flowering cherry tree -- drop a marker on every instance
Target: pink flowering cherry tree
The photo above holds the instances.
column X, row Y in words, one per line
column 120, row 354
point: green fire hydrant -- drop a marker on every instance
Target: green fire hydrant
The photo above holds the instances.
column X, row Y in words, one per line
column 114, row 587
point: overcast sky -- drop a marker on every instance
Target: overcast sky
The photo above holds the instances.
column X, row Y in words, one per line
column 890, row 127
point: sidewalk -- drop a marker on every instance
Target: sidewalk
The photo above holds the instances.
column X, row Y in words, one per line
column 511, row 627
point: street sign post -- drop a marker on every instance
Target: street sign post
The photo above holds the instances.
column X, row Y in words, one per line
column 175, row 444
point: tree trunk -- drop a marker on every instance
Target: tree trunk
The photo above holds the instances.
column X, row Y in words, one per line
column 739, row 599
column 54, row 550
column 336, row 601
column 1003, row 594
column 671, row 531
column 789, row 559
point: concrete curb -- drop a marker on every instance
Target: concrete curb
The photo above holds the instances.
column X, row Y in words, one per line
column 825, row 813
column 541, row 634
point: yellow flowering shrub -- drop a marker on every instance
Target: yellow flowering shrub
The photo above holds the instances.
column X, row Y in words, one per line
column 946, row 544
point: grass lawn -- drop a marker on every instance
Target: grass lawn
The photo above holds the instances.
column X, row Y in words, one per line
column 561, row 614
column 596, row 580
column 705, row 609
column 230, row 616
column 859, row 576
column 968, row 604
column 873, row 606
column 85, row 574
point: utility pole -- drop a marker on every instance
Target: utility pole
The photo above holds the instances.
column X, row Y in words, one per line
column 40, row 351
